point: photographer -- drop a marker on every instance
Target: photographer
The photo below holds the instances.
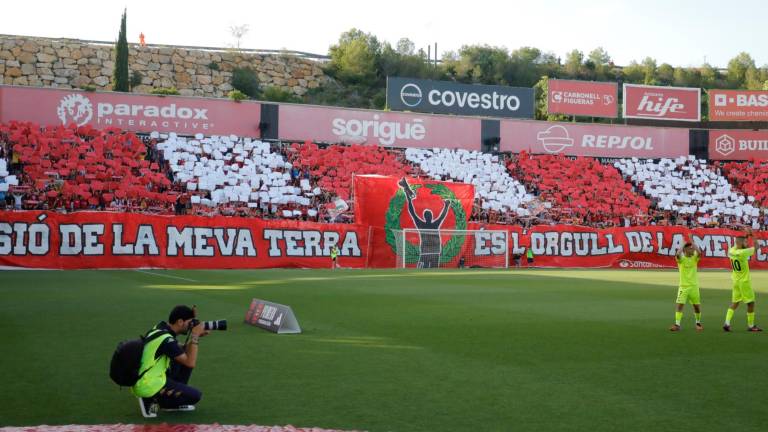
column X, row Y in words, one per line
column 166, row 366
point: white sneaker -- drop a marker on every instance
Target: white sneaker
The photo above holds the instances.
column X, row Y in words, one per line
column 148, row 409
column 185, row 408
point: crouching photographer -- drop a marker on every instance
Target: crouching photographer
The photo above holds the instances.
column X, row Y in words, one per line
column 166, row 365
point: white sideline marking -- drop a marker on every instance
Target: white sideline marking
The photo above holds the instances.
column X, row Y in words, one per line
column 165, row 275
column 162, row 428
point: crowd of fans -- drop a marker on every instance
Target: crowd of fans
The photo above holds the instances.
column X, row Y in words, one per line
column 69, row 169
column 687, row 188
column 593, row 194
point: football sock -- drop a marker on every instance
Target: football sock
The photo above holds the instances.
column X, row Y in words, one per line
column 728, row 316
column 698, row 317
column 751, row 319
column 678, row 317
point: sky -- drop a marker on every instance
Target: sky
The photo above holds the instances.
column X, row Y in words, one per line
column 679, row 32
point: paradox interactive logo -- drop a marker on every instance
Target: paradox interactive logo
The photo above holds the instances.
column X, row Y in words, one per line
column 75, row 108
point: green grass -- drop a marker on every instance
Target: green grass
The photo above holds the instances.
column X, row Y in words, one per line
column 395, row 350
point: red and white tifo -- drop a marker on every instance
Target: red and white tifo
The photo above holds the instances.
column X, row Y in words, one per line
column 163, row 427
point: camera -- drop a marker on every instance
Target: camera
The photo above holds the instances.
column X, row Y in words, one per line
column 210, row 325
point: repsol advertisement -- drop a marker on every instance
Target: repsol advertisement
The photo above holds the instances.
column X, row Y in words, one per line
column 446, row 97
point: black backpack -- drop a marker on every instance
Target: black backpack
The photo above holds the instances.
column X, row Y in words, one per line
column 126, row 360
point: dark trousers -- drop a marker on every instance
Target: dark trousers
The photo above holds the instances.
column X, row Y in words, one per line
column 176, row 392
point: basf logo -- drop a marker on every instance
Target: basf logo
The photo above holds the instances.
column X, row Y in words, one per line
column 445, row 97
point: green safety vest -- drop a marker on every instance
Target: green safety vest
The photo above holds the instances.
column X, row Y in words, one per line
column 334, row 252
column 529, row 253
column 153, row 369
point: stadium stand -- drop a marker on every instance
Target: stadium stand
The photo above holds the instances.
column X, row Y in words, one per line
column 495, row 191
column 69, row 168
column 749, row 177
column 232, row 175
column 687, row 186
column 333, row 166
column 5, row 177
column 593, row 193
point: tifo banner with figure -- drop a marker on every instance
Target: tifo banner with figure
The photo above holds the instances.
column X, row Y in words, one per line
column 35, row 239
column 389, row 204
column 738, row 105
column 127, row 240
column 584, row 139
column 582, row 98
column 402, row 201
column 137, row 113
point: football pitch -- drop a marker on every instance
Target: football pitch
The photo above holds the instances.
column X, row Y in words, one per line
column 480, row 350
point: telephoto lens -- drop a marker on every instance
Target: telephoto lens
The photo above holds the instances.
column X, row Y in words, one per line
column 215, row 325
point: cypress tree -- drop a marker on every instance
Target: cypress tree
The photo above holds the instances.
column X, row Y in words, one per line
column 120, row 79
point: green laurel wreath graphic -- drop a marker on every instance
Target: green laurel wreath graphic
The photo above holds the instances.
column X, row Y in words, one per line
column 396, row 204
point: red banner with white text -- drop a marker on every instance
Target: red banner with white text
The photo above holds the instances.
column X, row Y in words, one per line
column 127, row 240
column 647, row 247
column 596, row 140
column 342, row 125
column 738, row 105
column 121, row 240
column 133, row 112
column 582, row 98
column 733, row 144
column 662, row 103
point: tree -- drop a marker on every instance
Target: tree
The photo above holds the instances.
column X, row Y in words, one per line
column 405, row 47
column 396, row 62
column 527, row 65
column 665, row 74
column 354, row 59
column 245, row 80
column 709, row 76
column 481, row 64
column 687, row 77
column 573, row 63
column 602, row 64
column 633, row 73
column 754, row 78
column 120, row 78
column 238, row 32
column 649, row 71
column 737, row 70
